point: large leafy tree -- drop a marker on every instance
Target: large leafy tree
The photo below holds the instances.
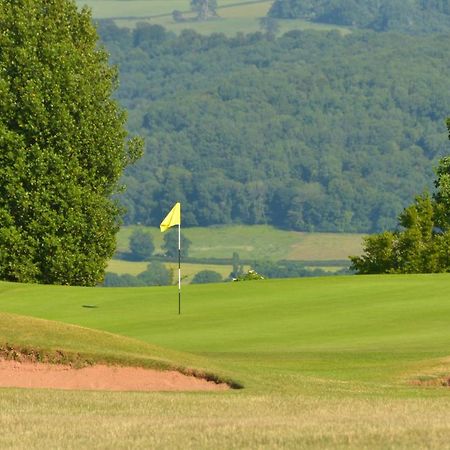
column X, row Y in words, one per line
column 62, row 145
column 422, row 242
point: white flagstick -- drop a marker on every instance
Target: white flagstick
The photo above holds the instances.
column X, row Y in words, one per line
column 179, row 268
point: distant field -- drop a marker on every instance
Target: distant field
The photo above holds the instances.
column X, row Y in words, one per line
column 104, row 9
column 341, row 362
column 188, row 269
column 259, row 242
column 234, row 15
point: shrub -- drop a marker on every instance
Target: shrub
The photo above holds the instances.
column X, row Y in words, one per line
column 141, row 245
column 156, row 274
column 207, row 276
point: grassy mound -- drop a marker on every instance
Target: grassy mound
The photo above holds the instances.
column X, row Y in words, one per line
column 38, row 340
column 350, row 334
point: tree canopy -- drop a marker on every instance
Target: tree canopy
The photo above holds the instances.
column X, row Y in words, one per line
column 422, row 242
column 309, row 131
column 141, row 245
column 411, row 16
column 62, row 145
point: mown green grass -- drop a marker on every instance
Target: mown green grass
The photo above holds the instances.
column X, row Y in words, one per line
column 369, row 332
column 326, row 363
column 258, row 242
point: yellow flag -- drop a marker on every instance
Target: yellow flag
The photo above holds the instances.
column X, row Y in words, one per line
column 173, row 218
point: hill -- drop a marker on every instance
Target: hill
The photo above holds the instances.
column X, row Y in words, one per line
column 60, row 343
column 303, row 132
column 324, row 362
column 411, row 16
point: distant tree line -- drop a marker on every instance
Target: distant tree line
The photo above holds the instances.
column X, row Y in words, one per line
column 156, row 274
column 411, row 16
column 142, row 247
column 309, row 131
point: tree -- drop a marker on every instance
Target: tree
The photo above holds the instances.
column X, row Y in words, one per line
column 177, row 15
column 420, row 246
column 62, row 145
column 238, row 268
column 141, row 245
column 269, row 25
column 125, row 280
column 205, row 9
column 207, row 276
column 156, row 274
column 170, row 245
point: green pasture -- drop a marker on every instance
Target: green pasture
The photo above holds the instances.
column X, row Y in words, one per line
column 105, row 9
column 325, row 362
column 234, row 15
column 258, row 242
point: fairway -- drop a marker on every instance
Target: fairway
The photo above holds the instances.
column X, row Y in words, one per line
column 392, row 325
column 325, row 363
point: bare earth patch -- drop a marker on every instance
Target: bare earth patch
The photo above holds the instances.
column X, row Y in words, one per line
column 26, row 374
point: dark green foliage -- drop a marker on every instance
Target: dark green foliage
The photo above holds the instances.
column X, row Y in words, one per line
column 251, row 275
column 156, row 275
column 177, row 15
column 412, row 16
column 304, row 132
column 205, row 9
column 269, row 25
column 170, row 245
column 287, row 269
column 422, row 245
column 141, row 245
column 62, row 145
column 237, row 266
column 207, row 276
column 126, row 280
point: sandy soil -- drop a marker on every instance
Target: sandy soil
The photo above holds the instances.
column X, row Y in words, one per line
column 98, row 377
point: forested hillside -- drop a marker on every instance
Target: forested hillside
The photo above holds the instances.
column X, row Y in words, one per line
column 310, row 131
column 412, row 16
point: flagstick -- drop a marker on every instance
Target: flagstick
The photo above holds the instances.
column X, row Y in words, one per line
column 179, row 268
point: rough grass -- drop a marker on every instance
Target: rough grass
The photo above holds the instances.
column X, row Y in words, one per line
column 235, row 420
column 258, row 242
column 326, row 363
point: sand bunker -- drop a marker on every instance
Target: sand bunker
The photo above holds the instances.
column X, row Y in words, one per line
column 99, row 377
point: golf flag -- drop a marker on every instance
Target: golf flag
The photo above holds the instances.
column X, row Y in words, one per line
column 173, row 218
